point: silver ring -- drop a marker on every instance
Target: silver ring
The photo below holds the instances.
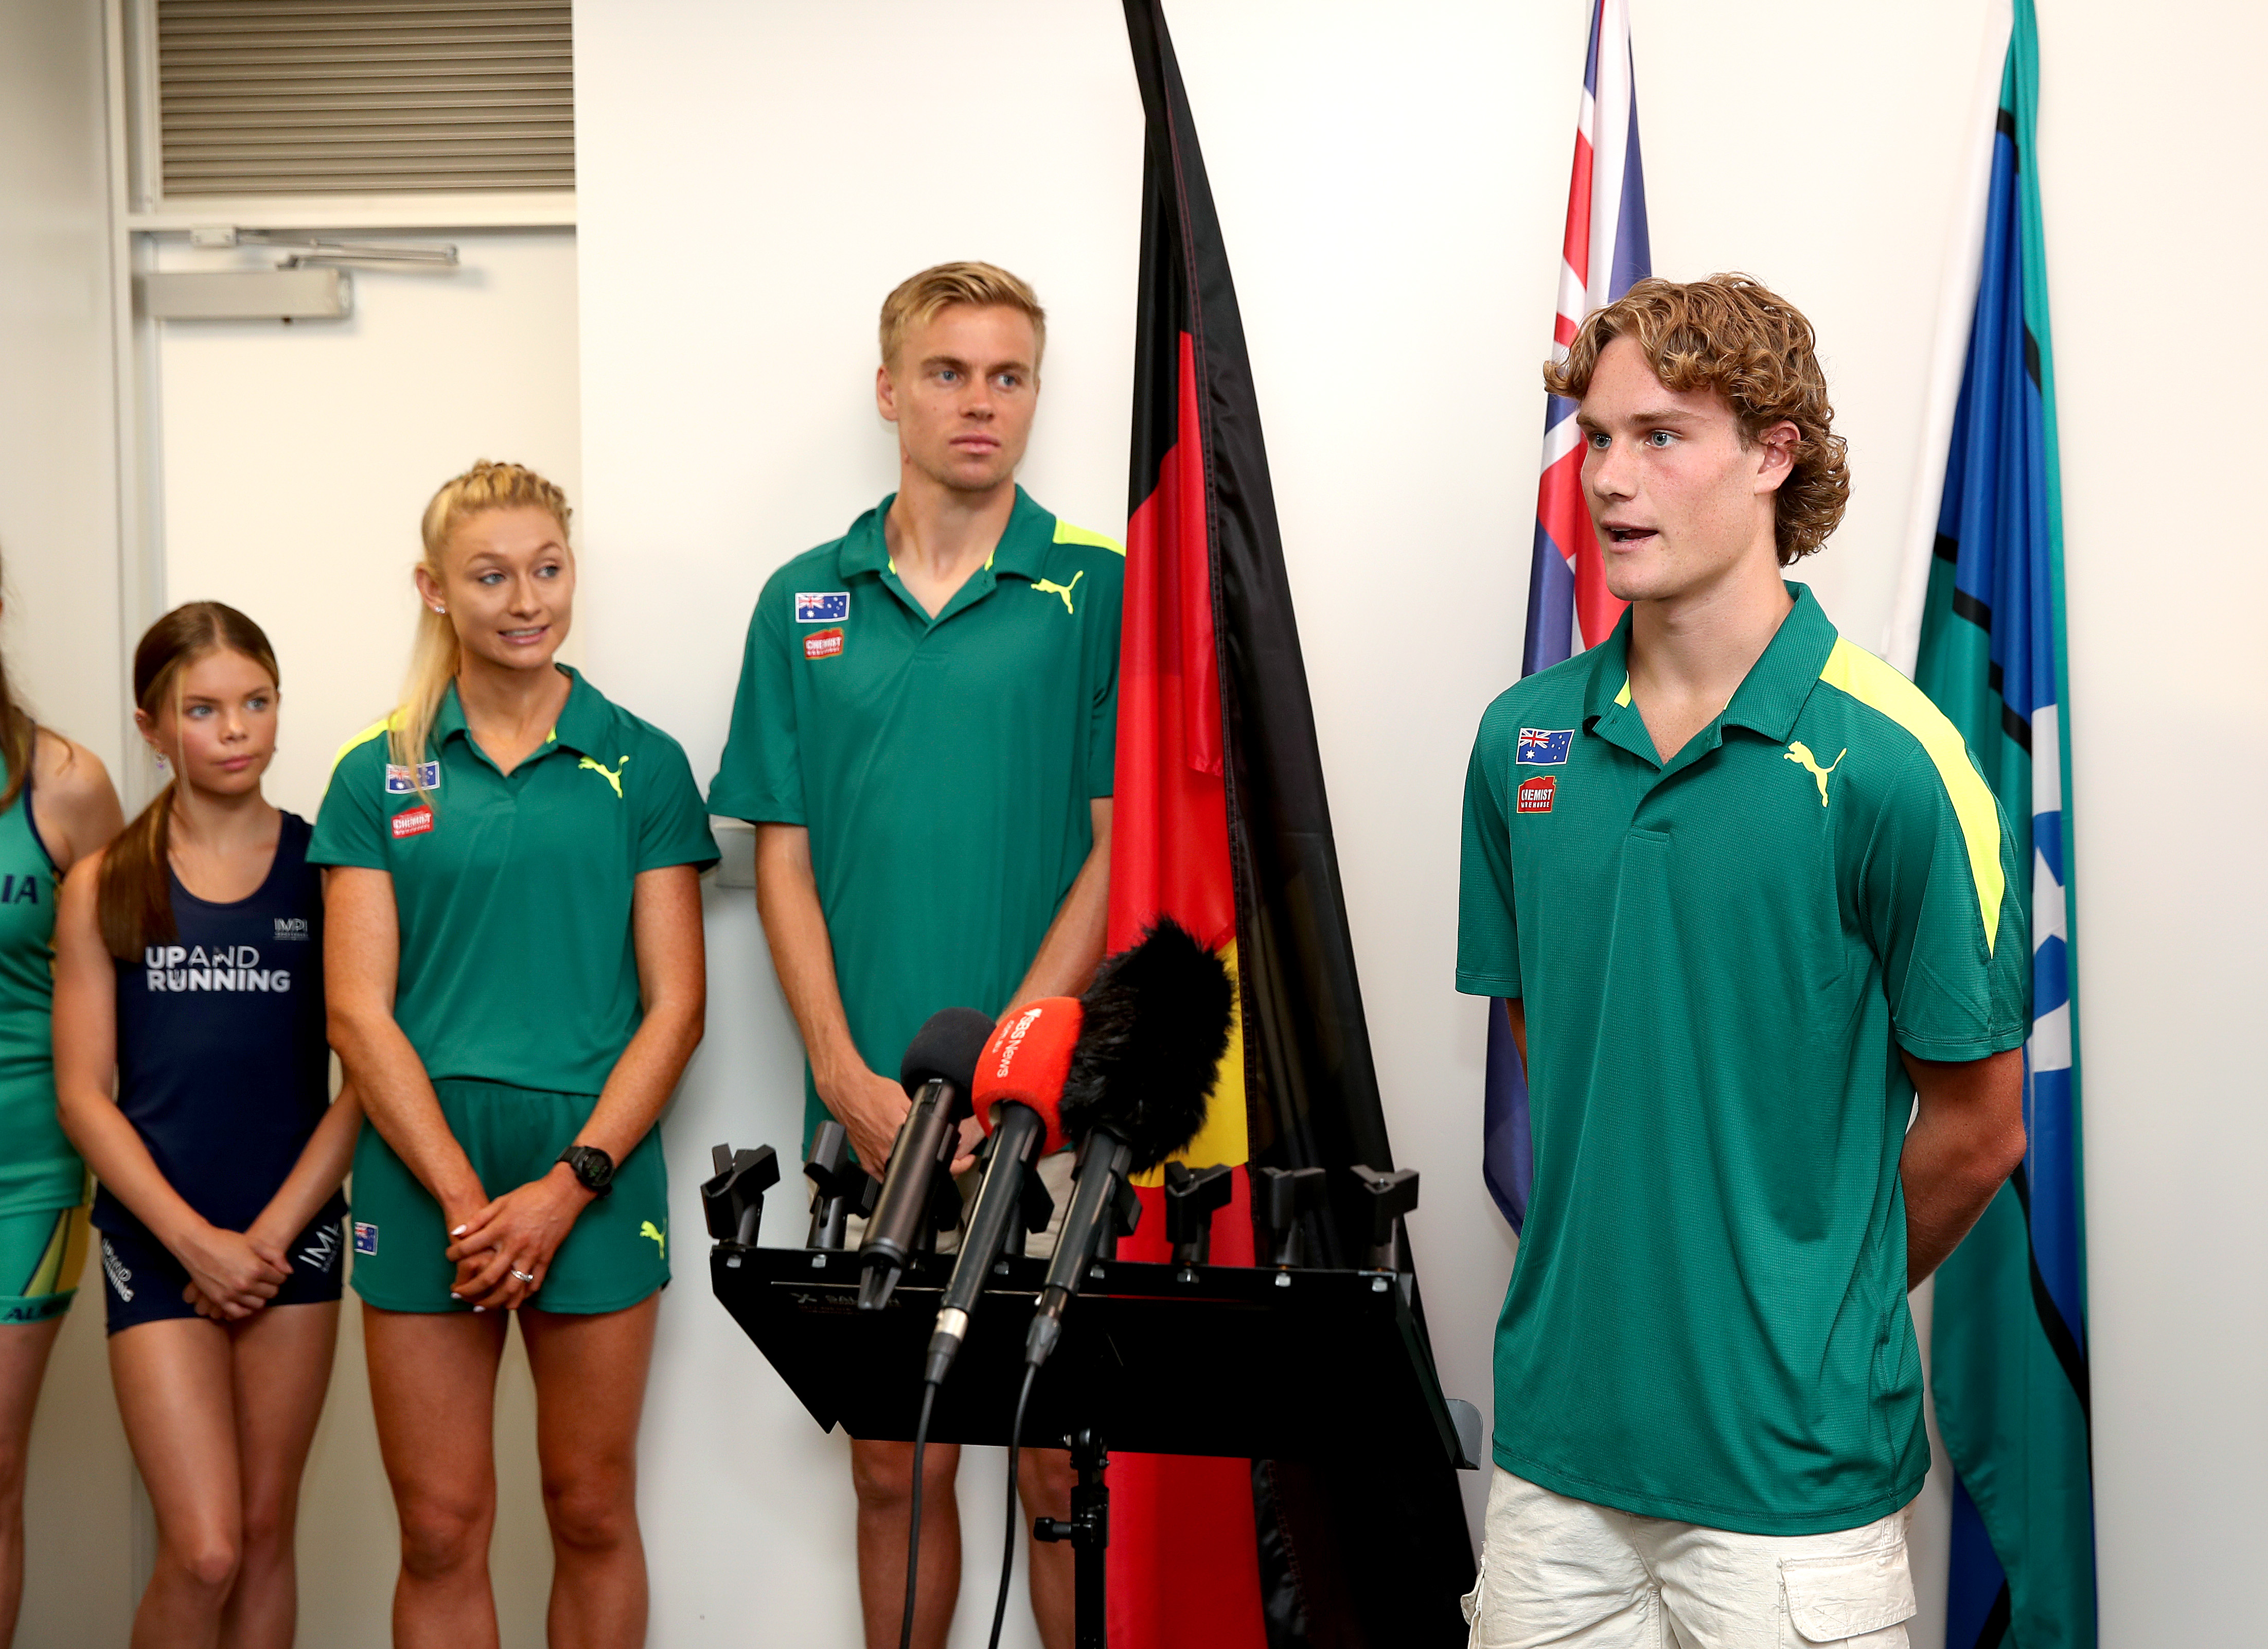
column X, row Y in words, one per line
column 525, row 1276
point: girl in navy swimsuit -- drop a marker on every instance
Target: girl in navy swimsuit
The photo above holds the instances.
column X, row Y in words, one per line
column 188, row 974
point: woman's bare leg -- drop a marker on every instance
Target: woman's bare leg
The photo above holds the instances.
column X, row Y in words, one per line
column 175, row 1387
column 282, row 1368
column 433, row 1388
column 590, row 1384
column 24, row 1348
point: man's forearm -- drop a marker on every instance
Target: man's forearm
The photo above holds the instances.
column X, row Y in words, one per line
column 1072, row 947
column 803, row 955
column 1967, row 1141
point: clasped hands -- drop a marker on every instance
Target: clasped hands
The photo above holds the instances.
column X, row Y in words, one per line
column 503, row 1249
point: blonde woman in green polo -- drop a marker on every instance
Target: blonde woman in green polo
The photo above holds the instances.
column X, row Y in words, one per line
column 515, row 975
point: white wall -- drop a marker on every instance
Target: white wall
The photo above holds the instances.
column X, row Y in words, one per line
column 1392, row 193
column 59, row 539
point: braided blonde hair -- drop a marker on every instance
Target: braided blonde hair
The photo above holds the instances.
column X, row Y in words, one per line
column 433, row 656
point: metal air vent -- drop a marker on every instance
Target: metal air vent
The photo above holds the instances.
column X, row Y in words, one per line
column 329, row 97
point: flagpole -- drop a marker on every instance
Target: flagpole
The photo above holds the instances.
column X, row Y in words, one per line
column 1956, row 309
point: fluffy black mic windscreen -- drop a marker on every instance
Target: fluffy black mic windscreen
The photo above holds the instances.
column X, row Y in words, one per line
column 1157, row 1021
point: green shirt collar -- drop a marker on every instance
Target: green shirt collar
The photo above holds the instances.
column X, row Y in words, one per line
column 581, row 726
column 1022, row 549
column 1770, row 697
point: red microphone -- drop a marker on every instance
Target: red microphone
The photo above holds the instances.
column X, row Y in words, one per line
column 1026, row 1063
column 1018, row 1094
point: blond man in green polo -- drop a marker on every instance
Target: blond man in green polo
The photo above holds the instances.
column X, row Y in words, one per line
column 1752, row 908
column 923, row 737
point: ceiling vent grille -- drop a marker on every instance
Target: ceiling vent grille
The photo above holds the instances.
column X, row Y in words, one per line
column 329, row 97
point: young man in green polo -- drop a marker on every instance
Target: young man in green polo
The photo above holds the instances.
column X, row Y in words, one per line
column 923, row 737
column 1750, row 902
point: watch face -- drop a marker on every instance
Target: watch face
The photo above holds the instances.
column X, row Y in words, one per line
column 592, row 1167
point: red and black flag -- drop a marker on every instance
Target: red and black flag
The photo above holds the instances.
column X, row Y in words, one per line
column 1221, row 822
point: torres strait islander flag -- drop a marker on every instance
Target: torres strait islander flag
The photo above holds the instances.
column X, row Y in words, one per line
column 1605, row 251
column 1220, row 822
column 1982, row 622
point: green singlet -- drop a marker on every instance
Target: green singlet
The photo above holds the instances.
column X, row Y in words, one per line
column 38, row 1170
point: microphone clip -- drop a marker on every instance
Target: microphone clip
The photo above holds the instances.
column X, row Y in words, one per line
column 1392, row 1193
column 1282, row 1197
column 839, row 1187
column 1193, row 1195
column 733, row 1199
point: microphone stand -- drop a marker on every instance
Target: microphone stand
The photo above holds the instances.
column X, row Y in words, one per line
column 1088, row 1531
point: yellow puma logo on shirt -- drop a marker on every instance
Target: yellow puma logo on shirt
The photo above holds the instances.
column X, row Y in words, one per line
column 1800, row 753
column 646, row 1229
column 1048, row 587
column 613, row 777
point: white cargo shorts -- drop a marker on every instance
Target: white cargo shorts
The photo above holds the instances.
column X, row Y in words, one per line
column 1572, row 1575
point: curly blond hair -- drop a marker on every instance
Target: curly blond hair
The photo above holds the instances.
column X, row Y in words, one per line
column 1732, row 334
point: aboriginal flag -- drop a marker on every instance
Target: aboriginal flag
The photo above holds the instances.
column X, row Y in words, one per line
column 1220, row 822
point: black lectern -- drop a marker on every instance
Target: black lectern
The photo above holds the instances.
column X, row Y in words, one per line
column 1321, row 1363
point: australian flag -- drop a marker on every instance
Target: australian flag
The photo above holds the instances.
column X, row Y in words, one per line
column 1541, row 747
column 1604, row 252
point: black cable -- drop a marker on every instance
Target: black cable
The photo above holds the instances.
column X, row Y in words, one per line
column 913, row 1537
column 1008, row 1550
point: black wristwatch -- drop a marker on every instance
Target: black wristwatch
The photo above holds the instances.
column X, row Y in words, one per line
column 592, row 1167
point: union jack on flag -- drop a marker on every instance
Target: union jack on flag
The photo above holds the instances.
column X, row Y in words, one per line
column 1544, row 747
column 1604, row 252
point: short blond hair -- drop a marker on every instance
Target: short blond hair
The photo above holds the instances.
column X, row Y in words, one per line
column 919, row 299
column 1734, row 336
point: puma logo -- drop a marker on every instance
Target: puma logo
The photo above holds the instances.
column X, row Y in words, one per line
column 646, row 1229
column 1048, row 587
column 1800, row 753
column 613, row 777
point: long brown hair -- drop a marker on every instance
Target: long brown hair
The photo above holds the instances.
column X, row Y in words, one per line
column 134, row 894
column 15, row 742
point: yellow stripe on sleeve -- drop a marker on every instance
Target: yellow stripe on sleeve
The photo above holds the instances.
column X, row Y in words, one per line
column 1065, row 533
column 376, row 730
column 1871, row 682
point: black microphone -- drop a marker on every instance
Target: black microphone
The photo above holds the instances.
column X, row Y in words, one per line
column 1018, row 1088
column 1156, row 1025
column 938, row 1072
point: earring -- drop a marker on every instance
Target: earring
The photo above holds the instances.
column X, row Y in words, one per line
column 163, row 764
column 439, row 607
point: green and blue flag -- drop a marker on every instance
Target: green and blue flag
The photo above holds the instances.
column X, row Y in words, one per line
column 2009, row 1337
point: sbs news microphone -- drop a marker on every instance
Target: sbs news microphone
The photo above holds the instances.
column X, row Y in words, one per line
column 1155, row 1024
column 1019, row 1092
column 938, row 1072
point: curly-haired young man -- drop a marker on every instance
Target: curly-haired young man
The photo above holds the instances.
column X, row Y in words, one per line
column 1753, row 910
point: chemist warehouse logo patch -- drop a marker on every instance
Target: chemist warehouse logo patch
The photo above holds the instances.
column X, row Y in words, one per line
column 416, row 822
column 823, row 644
column 1536, row 795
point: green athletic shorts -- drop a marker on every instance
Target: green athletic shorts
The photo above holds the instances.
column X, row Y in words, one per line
column 40, row 1257
column 616, row 1254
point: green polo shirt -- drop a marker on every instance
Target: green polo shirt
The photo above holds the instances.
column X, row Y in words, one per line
column 1719, row 958
column 514, row 890
column 944, row 766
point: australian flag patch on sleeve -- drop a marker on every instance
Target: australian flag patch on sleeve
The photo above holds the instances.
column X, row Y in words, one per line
column 1544, row 747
